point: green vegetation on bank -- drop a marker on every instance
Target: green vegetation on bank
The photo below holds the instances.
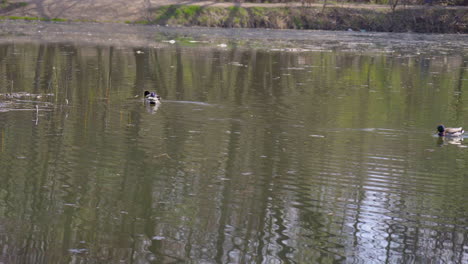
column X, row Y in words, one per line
column 6, row 5
column 367, row 2
column 421, row 19
column 32, row 18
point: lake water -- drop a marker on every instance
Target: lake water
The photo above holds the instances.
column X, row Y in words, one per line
column 269, row 146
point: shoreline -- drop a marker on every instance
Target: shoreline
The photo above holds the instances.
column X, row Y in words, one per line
column 153, row 36
column 340, row 17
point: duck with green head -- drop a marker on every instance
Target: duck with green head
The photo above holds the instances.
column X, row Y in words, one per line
column 152, row 97
column 449, row 131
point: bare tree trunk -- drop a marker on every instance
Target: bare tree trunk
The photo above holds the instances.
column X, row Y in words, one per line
column 393, row 4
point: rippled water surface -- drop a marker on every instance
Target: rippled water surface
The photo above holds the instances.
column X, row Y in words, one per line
column 306, row 149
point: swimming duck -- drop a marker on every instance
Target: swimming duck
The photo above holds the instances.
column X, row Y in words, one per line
column 152, row 98
column 449, row 131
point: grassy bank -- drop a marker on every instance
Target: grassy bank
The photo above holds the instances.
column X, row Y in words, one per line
column 32, row 18
column 423, row 20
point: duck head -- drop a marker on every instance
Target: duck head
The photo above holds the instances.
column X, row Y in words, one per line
column 152, row 94
column 441, row 130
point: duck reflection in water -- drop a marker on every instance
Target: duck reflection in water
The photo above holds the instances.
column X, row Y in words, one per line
column 152, row 108
column 141, row 252
column 450, row 140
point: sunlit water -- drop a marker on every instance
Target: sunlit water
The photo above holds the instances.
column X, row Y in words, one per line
column 259, row 153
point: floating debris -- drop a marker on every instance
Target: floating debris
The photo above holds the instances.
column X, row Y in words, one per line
column 291, row 50
column 22, row 95
column 317, row 136
column 238, row 64
column 295, row 68
column 78, row 250
column 71, row 205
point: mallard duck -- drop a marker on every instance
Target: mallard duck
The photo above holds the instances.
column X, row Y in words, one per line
column 449, row 131
column 152, row 97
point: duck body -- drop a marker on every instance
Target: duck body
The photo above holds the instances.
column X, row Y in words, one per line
column 449, row 131
column 152, row 97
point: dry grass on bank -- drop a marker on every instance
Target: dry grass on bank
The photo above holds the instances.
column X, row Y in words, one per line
column 423, row 20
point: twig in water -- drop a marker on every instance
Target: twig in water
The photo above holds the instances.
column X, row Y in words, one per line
column 165, row 155
column 37, row 114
